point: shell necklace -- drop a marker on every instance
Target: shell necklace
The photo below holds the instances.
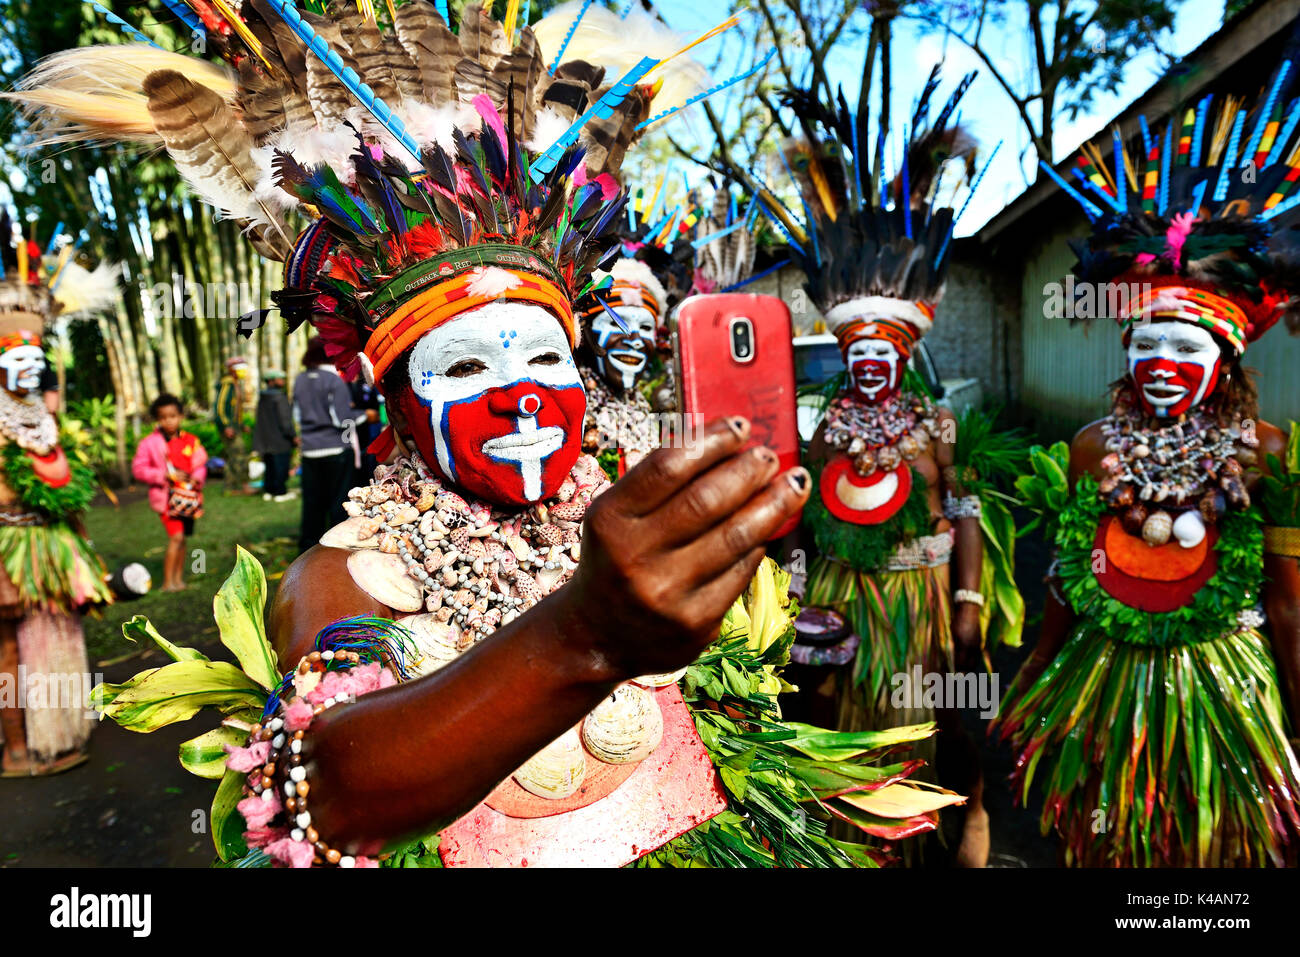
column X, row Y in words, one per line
column 1173, row 462
column 621, row 421
column 880, row 436
column 27, row 422
column 477, row 565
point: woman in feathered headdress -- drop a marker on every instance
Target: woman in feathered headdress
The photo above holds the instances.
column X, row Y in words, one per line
column 460, row 193
column 898, row 533
column 49, row 573
column 1152, row 710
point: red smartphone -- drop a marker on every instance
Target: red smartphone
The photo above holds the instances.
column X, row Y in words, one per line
column 734, row 354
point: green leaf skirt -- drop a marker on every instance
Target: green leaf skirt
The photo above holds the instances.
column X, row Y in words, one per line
column 53, row 567
column 1160, row 757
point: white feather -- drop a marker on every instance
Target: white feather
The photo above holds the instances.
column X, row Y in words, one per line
column 491, row 281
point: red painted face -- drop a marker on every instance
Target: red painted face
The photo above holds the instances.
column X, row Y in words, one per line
column 496, row 404
column 876, row 368
column 1174, row 366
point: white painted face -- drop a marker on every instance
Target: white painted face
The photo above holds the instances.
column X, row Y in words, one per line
column 624, row 353
column 876, row 367
column 1174, row 365
column 503, row 400
column 21, row 368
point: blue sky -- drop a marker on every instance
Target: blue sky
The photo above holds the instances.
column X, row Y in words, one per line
column 986, row 109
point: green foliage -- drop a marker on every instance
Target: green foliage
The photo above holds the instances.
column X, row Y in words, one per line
column 1280, row 486
column 1046, row 488
column 58, row 503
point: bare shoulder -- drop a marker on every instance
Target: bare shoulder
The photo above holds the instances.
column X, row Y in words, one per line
column 316, row 590
column 1087, row 449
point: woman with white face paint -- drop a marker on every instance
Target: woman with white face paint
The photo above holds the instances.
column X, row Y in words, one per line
column 490, row 590
column 1170, row 644
column 895, row 531
column 48, row 572
column 619, row 332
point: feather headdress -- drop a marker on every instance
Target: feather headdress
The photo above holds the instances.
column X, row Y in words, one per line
column 876, row 249
column 1204, row 211
column 725, row 247
column 440, row 169
column 48, row 284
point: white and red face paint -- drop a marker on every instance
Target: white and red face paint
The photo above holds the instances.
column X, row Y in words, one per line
column 875, row 368
column 1174, row 365
column 21, row 368
column 496, row 403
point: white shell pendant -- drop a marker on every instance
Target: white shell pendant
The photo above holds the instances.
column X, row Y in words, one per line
column 624, row 728
column 435, row 643
column 383, row 577
column 1189, row 529
column 557, row 770
column 344, row 535
column 660, row 681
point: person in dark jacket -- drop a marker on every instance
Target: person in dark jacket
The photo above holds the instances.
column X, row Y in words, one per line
column 327, row 431
column 274, row 436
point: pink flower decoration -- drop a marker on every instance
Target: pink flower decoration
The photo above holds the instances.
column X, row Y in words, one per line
column 298, row 715
column 386, row 679
column 246, row 759
column 262, row 836
column 367, row 862
column 257, row 812
column 293, row 853
column 1176, row 235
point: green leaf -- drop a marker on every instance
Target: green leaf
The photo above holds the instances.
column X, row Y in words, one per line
column 840, row 745
column 228, row 823
column 206, row 754
column 176, row 692
column 238, row 607
column 141, row 628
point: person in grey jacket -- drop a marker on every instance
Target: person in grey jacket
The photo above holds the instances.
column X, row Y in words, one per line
column 327, row 429
column 274, row 436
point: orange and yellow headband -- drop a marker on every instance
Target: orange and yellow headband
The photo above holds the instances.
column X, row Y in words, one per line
column 1211, row 311
column 438, row 289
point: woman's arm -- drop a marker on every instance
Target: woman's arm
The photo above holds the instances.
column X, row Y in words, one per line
column 664, row 554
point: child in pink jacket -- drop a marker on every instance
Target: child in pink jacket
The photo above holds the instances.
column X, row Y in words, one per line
column 170, row 460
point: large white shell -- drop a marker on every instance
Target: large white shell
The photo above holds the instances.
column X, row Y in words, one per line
column 383, row 577
column 435, row 643
column 660, row 681
column 557, row 770
column 344, row 535
column 624, row 728
column 1189, row 529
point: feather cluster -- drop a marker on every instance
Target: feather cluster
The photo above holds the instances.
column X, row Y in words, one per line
column 869, row 235
column 1210, row 198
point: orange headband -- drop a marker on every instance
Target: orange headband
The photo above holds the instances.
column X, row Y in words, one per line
column 17, row 339
column 433, row 306
column 902, row 334
column 645, row 300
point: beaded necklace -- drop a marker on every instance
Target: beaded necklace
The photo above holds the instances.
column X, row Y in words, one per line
column 880, row 436
column 477, row 565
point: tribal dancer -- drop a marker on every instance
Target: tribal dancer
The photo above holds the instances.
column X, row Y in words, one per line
column 890, row 514
column 49, row 572
column 488, row 557
column 1152, row 710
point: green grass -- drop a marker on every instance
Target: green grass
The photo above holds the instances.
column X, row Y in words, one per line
column 133, row 532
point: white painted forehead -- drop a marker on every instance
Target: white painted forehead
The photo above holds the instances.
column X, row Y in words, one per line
column 1155, row 330
column 22, row 354
column 492, row 326
column 631, row 315
column 868, row 345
